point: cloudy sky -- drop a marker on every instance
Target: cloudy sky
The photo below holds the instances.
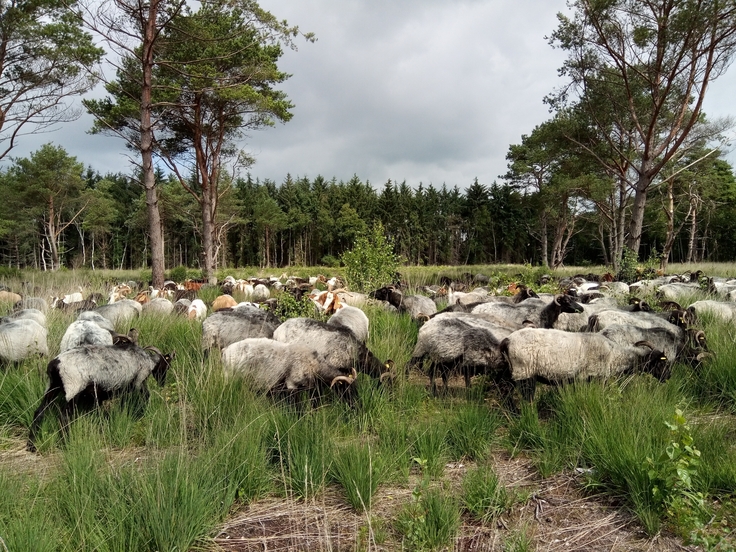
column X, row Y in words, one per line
column 430, row 91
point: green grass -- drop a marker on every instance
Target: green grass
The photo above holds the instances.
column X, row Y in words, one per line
column 163, row 475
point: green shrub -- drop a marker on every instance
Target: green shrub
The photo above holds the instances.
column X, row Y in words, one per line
column 178, row 274
column 371, row 263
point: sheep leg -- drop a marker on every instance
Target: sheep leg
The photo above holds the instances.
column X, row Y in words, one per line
column 526, row 388
column 48, row 398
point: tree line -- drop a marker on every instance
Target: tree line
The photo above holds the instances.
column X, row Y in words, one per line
column 59, row 213
column 629, row 161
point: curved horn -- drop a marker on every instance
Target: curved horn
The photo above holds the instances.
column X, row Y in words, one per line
column 346, row 379
column 423, row 317
column 644, row 344
column 557, row 300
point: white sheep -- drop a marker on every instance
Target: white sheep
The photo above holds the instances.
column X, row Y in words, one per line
column 197, row 310
column 28, row 314
column 273, row 366
column 22, row 338
column 98, row 372
column 555, row 356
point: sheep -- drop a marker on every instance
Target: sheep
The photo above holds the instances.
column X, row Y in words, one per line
column 418, row 306
column 22, row 338
column 37, row 303
column 677, row 291
column 27, row 314
column 223, row 302
column 275, row 366
column 260, row 293
column 642, row 319
column 555, row 356
column 99, row 371
column 197, row 310
column 461, row 341
column 158, row 305
column 120, row 312
column 541, row 314
column 9, row 297
column 341, row 347
column 353, row 319
column 719, row 310
column 227, row 326
column 66, row 300
column 93, row 330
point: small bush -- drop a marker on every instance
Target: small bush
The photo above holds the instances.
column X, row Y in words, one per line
column 371, row 263
column 178, row 274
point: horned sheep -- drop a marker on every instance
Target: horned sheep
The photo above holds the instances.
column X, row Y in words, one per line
column 556, row 356
column 99, row 372
column 228, row 326
column 275, row 366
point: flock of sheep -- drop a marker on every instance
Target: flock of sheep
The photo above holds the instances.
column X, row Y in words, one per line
column 581, row 332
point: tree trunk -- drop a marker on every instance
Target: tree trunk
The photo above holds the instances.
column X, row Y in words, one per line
column 208, row 231
column 636, row 224
column 149, row 177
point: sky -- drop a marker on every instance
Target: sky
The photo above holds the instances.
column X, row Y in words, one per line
column 422, row 91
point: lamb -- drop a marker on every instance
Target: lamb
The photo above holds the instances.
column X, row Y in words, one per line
column 340, row 341
column 275, row 366
column 22, row 338
column 459, row 341
column 120, row 312
column 556, row 356
column 98, row 372
column 228, row 326
column 541, row 314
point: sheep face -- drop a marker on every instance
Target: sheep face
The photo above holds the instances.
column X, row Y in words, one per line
column 162, row 367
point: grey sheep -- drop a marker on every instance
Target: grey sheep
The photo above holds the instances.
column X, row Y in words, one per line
column 120, row 312
column 335, row 341
column 32, row 303
column 676, row 343
column 462, row 342
column 641, row 319
column 22, row 338
column 158, row 305
column 556, row 356
column 418, row 306
column 26, row 314
column 540, row 313
column 275, row 366
column 228, row 326
column 353, row 319
column 98, row 372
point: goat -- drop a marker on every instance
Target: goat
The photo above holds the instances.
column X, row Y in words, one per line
column 99, row 371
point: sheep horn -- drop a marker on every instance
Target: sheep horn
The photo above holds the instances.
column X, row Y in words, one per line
column 346, row 379
column 644, row 344
column 154, row 349
column 557, row 300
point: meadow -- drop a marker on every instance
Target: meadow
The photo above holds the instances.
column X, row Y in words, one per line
column 206, row 464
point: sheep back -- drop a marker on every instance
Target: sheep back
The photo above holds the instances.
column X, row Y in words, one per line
column 22, row 338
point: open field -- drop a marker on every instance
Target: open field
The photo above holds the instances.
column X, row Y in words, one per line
column 627, row 464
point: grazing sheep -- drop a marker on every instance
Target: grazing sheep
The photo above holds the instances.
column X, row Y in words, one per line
column 120, row 291
column 121, row 312
column 22, row 338
column 459, row 342
column 556, row 356
column 37, row 303
column 228, row 326
column 197, row 310
column 606, row 318
column 65, row 302
column 158, row 305
column 99, row 371
column 181, row 306
column 84, row 332
column 353, row 319
column 418, row 306
column 97, row 318
column 341, row 347
column 223, row 302
column 671, row 341
column 261, row 293
column 9, row 297
column 275, row 366
column 720, row 310
column 27, row 314
column 536, row 311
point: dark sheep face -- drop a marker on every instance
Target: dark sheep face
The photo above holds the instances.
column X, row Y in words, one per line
column 162, row 367
column 568, row 304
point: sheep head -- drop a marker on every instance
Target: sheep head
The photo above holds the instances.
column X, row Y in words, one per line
column 162, row 366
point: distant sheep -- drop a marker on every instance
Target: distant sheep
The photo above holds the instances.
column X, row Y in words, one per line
column 223, row 302
column 37, row 303
column 536, row 311
column 158, row 305
column 418, row 306
column 197, row 310
column 99, row 372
